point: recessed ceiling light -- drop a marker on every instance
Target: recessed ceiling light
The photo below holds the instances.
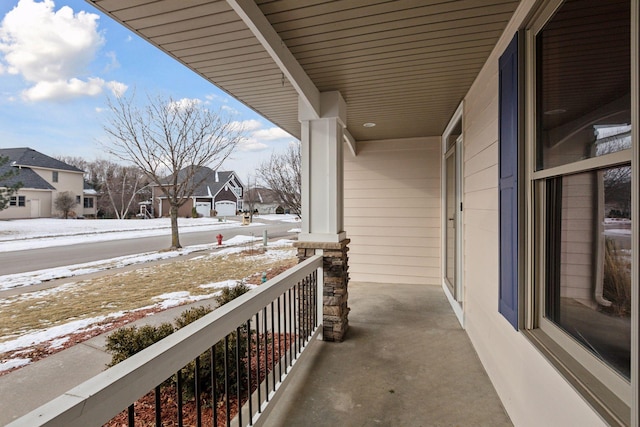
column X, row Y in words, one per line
column 555, row 112
column 369, row 125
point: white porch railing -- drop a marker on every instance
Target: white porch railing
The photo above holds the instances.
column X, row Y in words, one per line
column 287, row 309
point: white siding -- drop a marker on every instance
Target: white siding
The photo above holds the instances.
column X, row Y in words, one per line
column 532, row 391
column 392, row 211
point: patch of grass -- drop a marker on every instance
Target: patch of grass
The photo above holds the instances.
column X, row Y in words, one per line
column 126, row 291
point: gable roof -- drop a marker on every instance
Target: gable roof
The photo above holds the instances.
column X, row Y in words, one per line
column 212, row 181
column 27, row 177
column 28, row 157
column 262, row 195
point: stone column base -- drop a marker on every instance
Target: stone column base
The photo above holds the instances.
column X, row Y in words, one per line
column 336, row 279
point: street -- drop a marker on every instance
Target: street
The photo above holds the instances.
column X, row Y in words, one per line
column 37, row 259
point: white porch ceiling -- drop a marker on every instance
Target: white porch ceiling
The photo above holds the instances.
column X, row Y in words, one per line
column 404, row 65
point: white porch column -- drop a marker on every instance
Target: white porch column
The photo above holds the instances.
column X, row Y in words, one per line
column 322, row 207
column 322, row 169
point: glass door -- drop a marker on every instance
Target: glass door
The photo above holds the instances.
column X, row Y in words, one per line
column 453, row 219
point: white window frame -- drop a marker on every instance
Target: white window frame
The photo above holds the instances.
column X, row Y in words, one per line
column 599, row 384
column 14, row 201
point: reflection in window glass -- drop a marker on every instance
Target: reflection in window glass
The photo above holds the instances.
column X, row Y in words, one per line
column 584, row 103
column 588, row 259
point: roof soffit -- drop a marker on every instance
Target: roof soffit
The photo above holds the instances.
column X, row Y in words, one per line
column 395, row 63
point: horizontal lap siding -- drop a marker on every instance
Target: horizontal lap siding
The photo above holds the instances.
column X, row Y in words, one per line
column 392, row 211
column 531, row 390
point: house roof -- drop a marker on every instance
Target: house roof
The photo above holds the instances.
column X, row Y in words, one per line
column 22, row 159
column 396, row 63
column 31, row 158
column 263, row 195
column 27, row 177
column 212, row 181
column 88, row 189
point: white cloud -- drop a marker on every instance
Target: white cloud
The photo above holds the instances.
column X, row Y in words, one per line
column 231, row 110
column 118, row 89
column 248, row 125
column 271, row 134
column 251, row 145
column 51, row 49
column 256, row 137
column 216, row 97
column 113, row 61
column 184, row 103
column 62, row 90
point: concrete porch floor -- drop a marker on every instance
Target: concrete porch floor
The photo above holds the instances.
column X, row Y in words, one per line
column 405, row 362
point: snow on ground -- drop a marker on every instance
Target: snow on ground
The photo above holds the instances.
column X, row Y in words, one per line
column 39, row 233
column 56, row 336
column 52, row 227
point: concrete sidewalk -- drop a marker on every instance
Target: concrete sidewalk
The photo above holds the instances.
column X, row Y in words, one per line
column 28, row 388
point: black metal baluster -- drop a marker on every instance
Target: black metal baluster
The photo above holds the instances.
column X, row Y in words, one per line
column 226, row 379
column 284, row 313
column 249, row 372
column 179, row 398
column 238, row 376
column 305, row 302
column 131, row 416
column 314, row 298
column 279, row 345
column 158, row 408
column 296, row 317
column 214, row 386
column 266, row 355
column 258, row 366
column 197, row 392
column 273, row 347
column 291, row 329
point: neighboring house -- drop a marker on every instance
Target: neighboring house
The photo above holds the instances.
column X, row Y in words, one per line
column 263, row 200
column 454, row 144
column 89, row 200
column 219, row 194
column 42, row 178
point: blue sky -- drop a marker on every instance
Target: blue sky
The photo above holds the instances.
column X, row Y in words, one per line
column 59, row 59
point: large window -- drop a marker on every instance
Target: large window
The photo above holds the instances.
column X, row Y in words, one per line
column 581, row 179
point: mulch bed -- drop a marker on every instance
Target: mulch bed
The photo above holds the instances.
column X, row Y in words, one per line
column 144, row 408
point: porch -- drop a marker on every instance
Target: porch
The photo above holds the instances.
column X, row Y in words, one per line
column 405, row 361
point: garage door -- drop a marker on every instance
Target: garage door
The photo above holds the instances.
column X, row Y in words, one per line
column 203, row 208
column 226, row 208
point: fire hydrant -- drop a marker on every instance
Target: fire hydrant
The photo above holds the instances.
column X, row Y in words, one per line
column 219, row 237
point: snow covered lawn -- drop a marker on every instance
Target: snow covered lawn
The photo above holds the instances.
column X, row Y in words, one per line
column 38, row 323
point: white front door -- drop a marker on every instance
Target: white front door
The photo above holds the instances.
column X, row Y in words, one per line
column 35, row 208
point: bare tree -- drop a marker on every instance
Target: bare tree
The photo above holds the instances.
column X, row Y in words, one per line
column 170, row 141
column 282, row 174
column 250, row 198
column 9, row 184
column 118, row 186
column 65, row 202
column 121, row 185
